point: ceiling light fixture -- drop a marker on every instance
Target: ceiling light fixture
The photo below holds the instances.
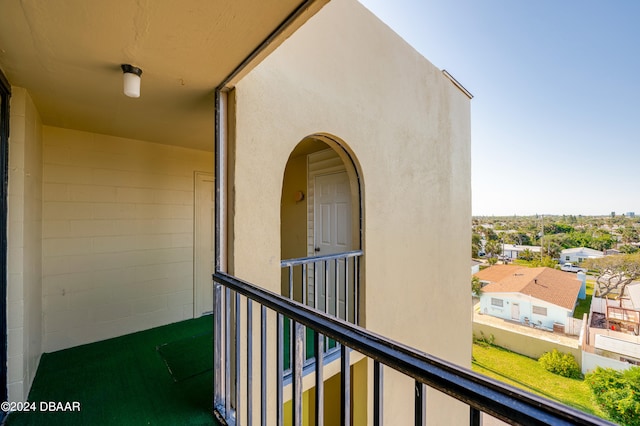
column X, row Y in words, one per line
column 131, row 80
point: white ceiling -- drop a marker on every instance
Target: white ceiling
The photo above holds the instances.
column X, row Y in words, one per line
column 67, row 54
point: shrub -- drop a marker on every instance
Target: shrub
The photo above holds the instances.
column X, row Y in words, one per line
column 484, row 340
column 618, row 393
column 563, row 364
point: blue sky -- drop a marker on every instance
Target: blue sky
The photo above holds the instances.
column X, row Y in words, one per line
column 556, row 109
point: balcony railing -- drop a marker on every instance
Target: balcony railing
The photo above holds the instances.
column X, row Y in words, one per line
column 329, row 283
column 235, row 358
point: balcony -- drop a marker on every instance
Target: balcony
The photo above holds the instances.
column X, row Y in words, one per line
column 252, row 343
column 141, row 377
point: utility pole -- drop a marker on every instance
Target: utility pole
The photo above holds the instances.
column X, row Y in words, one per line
column 541, row 236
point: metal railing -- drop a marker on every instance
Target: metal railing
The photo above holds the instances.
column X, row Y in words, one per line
column 329, row 283
column 480, row 393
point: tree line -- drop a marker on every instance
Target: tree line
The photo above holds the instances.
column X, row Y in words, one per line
column 555, row 233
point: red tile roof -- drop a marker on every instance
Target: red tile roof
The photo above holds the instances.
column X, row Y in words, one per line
column 553, row 286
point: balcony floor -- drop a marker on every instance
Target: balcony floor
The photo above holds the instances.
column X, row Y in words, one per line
column 127, row 380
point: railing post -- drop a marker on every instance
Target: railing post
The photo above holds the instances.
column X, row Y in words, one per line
column 319, row 354
column 297, row 361
column 280, row 371
column 345, row 386
column 356, row 290
column 236, row 379
column 227, row 352
column 346, row 289
column 218, row 397
column 475, row 418
column 263, row 365
column 377, row 394
column 421, row 404
column 249, row 362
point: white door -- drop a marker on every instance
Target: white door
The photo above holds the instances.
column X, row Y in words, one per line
column 515, row 311
column 203, row 244
column 332, row 234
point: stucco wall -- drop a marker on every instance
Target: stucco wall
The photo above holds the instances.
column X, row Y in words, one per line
column 591, row 361
column 408, row 127
column 24, row 290
column 522, row 344
column 117, row 235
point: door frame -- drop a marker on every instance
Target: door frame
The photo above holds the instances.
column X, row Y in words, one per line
column 5, row 94
column 198, row 177
column 331, row 164
column 515, row 307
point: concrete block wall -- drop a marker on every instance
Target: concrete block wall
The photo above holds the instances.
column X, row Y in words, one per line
column 117, row 235
column 24, row 257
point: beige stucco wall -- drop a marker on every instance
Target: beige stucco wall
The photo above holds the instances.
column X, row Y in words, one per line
column 530, row 346
column 346, row 74
column 117, row 235
column 24, row 265
column 294, row 213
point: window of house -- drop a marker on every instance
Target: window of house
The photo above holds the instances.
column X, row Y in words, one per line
column 567, row 258
column 539, row 310
column 497, row 302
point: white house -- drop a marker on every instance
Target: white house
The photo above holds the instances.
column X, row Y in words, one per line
column 540, row 297
column 579, row 254
column 475, row 266
column 513, row 251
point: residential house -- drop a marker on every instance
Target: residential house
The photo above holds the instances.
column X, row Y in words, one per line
column 513, row 251
column 539, row 297
column 579, row 254
column 475, row 266
column 309, row 127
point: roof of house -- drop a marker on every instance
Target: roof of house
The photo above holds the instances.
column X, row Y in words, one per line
column 550, row 285
column 517, row 247
column 582, row 250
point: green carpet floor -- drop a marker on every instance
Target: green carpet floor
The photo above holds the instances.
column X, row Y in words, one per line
column 153, row 377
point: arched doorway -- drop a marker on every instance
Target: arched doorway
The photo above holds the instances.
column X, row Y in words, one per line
column 321, row 228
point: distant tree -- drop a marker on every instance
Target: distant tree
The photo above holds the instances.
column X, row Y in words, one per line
column 526, row 254
column 618, row 393
column 491, row 235
column 627, row 248
column 614, row 273
column 476, row 244
column 557, row 228
column 552, row 249
column 476, row 286
column 492, row 260
column 493, row 248
column 630, row 235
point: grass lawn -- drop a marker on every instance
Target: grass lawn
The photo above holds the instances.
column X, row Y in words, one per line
column 583, row 305
column 525, row 373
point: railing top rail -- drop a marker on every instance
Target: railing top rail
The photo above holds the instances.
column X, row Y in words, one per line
column 483, row 393
column 321, row 258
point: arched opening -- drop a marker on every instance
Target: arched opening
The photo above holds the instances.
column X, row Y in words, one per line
column 322, row 259
column 321, row 228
